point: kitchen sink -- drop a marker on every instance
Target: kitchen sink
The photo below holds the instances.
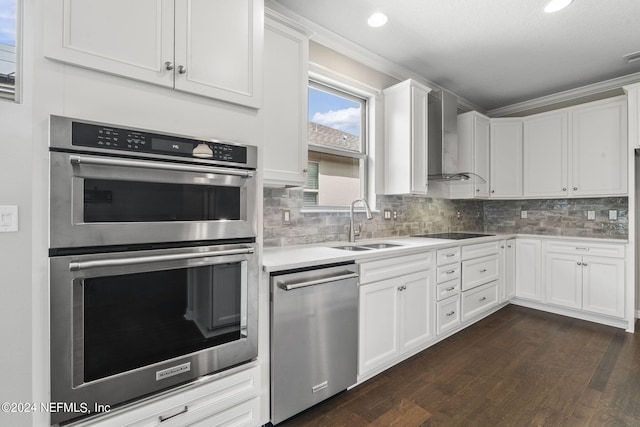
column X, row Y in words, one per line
column 352, row 248
column 381, row 245
column 368, row 247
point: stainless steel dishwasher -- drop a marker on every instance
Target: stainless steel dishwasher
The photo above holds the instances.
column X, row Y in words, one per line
column 314, row 336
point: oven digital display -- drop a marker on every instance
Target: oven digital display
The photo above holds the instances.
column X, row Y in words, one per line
column 171, row 146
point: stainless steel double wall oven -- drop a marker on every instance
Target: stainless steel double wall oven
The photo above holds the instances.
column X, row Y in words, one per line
column 153, row 263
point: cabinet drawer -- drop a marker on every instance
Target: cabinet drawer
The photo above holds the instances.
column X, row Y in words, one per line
column 448, row 256
column 479, row 271
column 587, row 248
column 211, row 404
column 373, row 271
column 447, row 289
column 479, row 250
column 448, row 312
column 448, row 272
column 476, row 301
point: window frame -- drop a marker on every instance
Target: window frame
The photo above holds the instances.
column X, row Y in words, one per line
column 349, row 92
column 17, row 87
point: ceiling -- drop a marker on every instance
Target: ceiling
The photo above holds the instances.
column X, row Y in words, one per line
column 493, row 53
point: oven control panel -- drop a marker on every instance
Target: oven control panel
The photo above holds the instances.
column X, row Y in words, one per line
column 109, row 137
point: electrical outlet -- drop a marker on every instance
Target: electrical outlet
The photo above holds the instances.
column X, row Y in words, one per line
column 591, row 215
column 286, row 216
column 395, row 214
column 387, row 214
column 523, row 214
column 613, row 214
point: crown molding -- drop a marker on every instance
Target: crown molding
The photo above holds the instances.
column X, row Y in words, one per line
column 567, row 95
column 358, row 53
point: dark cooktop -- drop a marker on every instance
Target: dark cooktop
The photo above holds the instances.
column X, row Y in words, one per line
column 454, row 236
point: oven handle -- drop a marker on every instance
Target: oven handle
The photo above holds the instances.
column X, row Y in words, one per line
column 75, row 159
column 84, row 265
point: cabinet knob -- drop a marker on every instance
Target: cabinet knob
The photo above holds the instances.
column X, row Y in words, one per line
column 575, row 188
column 584, row 264
column 493, row 191
column 564, row 188
column 182, row 69
column 477, row 190
column 168, row 66
column 579, row 263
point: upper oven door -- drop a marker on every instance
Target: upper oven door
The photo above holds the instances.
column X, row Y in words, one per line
column 100, row 200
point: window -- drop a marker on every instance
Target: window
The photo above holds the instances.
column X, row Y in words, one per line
column 336, row 173
column 8, row 36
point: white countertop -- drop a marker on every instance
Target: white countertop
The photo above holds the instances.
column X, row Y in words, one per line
column 302, row 256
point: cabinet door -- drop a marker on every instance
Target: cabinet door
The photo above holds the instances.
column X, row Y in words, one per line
column 131, row 39
column 563, row 280
column 218, row 44
column 378, row 328
column 417, row 309
column 481, row 157
column 419, row 139
column 528, row 269
column 509, row 278
column 603, row 285
column 599, row 150
column 545, row 152
column 285, row 104
column 506, row 158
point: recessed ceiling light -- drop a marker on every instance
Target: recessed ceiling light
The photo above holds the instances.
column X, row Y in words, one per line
column 378, row 19
column 556, row 5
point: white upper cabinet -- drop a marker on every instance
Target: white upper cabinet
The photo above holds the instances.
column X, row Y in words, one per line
column 286, row 52
column 506, row 158
column 545, row 154
column 599, row 149
column 211, row 48
column 473, row 155
column 633, row 107
column 406, row 134
column 577, row 152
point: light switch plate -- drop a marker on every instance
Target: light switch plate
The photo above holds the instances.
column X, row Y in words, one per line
column 591, row 215
column 613, row 214
column 523, row 214
column 286, row 216
column 8, row 219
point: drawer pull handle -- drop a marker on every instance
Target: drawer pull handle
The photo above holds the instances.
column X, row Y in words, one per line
column 582, row 249
column 450, row 255
column 484, row 270
column 163, row 419
column 483, row 298
column 451, row 313
column 402, row 288
column 451, row 288
column 450, row 271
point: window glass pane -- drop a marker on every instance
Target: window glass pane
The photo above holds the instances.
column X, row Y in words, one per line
column 7, row 48
column 335, row 121
column 338, row 180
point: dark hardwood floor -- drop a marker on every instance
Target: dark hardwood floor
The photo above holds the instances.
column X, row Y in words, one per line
column 518, row 367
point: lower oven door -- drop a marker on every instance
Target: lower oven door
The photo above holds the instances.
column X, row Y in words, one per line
column 129, row 324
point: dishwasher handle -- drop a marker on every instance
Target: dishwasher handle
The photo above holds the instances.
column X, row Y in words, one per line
column 291, row 286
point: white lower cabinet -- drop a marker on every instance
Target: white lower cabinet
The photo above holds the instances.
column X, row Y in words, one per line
column 231, row 400
column 529, row 269
column 507, row 289
column 476, row 301
column 589, row 283
column 448, row 313
column 397, row 315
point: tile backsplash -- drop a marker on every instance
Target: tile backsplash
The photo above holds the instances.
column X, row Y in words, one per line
column 415, row 215
column 419, row 215
column 559, row 217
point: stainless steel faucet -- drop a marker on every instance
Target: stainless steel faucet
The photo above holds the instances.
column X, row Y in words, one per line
column 352, row 231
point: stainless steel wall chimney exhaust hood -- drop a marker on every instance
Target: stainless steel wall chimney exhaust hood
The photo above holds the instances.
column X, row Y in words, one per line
column 443, row 138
